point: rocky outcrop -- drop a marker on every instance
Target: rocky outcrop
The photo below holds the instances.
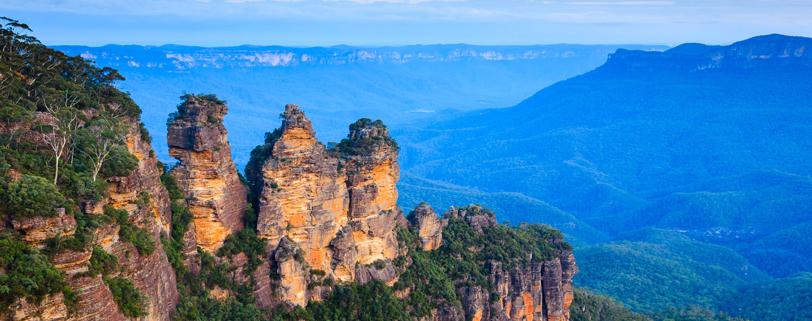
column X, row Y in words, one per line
column 337, row 206
column 37, row 230
column 539, row 289
column 215, row 195
column 428, row 226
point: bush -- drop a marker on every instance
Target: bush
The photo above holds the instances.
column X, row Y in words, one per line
column 144, row 132
column 246, row 241
column 129, row 232
column 32, row 196
column 26, row 274
column 372, row 301
column 102, row 262
column 127, row 297
column 119, row 163
column 138, row 237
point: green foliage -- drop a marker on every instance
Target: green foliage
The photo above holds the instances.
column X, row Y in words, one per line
column 364, row 145
column 246, row 241
column 253, row 170
column 39, row 79
column 466, row 253
column 465, row 259
column 698, row 314
column 26, row 274
column 120, row 163
column 430, row 285
column 369, row 302
column 205, row 97
column 129, row 232
column 663, row 269
column 171, row 184
column 139, row 237
column 589, row 306
column 787, row 299
column 81, row 238
column 182, row 108
column 144, row 132
column 127, row 297
column 204, row 308
column 32, row 196
column 102, row 262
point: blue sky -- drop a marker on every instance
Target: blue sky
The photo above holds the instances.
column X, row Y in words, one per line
column 397, row 22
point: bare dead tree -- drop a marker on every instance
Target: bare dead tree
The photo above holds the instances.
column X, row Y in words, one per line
column 63, row 126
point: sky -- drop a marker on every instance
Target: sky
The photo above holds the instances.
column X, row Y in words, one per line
column 402, row 22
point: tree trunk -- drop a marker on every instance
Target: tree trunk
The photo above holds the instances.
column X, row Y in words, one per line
column 56, row 170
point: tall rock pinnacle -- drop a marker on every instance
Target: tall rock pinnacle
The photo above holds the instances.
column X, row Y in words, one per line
column 337, row 206
column 206, row 173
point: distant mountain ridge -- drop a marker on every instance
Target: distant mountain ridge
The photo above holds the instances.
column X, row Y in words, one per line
column 337, row 85
column 763, row 51
column 187, row 57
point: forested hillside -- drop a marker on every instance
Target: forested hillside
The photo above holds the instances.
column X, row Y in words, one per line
column 705, row 143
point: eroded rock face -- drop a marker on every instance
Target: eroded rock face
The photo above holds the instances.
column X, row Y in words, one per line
column 541, row 290
column 429, row 228
column 215, row 195
column 147, row 202
column 37, row 230
column 145, row 199
column 338, row 206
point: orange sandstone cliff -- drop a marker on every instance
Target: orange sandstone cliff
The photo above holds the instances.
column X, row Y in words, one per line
column 336, row 207
column 215, row 195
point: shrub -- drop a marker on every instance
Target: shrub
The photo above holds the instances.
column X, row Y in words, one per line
column 138, row 237
column 144, row 132
column 246, row 241
column 129, row 232
column 102, row 262
column 32, row 196
column 119, row 163
column 127, row 297
column 26, row 274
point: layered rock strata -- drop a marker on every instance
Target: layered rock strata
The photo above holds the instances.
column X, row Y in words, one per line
column 540, row 290
column 215, row 195
column 337, row 206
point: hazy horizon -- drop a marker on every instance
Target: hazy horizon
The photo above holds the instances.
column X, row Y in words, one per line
column 374, row 23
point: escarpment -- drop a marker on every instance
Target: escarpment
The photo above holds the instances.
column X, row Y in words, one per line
column 75, row 236
column 215, row 195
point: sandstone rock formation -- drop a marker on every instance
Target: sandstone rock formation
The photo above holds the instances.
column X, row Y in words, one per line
column 206, row 173
column 147, row 202
column 338, row 206
column 428, row 226
column 36, row 230
column 540, row 290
